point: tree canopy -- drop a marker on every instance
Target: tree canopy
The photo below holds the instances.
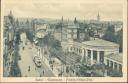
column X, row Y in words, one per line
column 110, row 34
column 113, row 36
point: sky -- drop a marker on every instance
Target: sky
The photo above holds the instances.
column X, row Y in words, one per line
column 81, row 9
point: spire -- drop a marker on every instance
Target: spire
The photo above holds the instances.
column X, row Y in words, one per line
column 10, row 14
column 62, row 19
column 75, row 21
column 27, row 21
column 17, row 22
column 98, row 17
column 11, row 17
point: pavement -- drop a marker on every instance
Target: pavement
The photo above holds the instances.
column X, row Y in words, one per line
column 27, row 56
column 26, row 61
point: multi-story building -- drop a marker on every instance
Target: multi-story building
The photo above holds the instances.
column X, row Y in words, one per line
column 93, row 50
column 69, row 31
column 8, row 43
column 41, row 31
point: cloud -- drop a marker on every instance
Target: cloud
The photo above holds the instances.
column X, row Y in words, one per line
column 80, row 9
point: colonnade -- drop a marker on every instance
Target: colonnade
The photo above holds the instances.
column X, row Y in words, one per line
column 85, row 53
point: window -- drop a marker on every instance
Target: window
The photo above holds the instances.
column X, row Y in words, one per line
column 67, row 49
column 69, row 30
column 95, row 55
column 107, row 62
column 75, row 31
column 89, row 53
column 69, row 35
column 77, row 50
column 111, row 64
column 75, row 36
column 120, row 67
column 101, row 56
column 115, row 66
column 80, row 51
column 71, row 48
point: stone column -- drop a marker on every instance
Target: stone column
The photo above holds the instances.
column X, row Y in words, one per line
column 105, row 61
column 86, row 54
column 91, row 57
column 82, row 54
column 109, row 63
column 117, row 66
column 113, row 65
column 98, row 56
column 78, row 51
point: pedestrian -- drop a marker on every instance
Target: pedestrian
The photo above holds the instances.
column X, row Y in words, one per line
column 35, row 68
column 73, row 71
column 43, row 72
column 28, row 68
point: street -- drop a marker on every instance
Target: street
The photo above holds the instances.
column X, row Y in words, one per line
column 27, row 53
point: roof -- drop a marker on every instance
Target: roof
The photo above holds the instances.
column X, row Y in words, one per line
column 72, row 25
column 116, row 57
column 69, row 58
column 100, row 42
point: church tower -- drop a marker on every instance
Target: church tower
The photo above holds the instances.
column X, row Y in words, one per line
column 98, row 17
column 75, row 21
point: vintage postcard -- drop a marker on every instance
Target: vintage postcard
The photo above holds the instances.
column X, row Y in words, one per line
column 63, row 41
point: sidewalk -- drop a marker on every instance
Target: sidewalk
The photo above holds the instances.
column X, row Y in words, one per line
column 48, row 67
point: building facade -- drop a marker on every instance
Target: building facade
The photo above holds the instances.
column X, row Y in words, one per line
column 8, row 43
column 93, row 51
column 69, row 31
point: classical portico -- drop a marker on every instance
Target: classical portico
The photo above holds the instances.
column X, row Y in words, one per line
column 95, row 56
column 95, row 50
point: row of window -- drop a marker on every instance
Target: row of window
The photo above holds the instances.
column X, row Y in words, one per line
column 71, row 35
column 76, row 49
column 73, row 30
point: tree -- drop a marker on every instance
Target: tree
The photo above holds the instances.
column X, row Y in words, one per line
column 29, row 35
column 85, row 70
column 87, row 36
column 91, row 32
column 110, row 34
column 115, row 73
column 119, row 39
column 99, row 69
column 50, row 41
column 17, row 38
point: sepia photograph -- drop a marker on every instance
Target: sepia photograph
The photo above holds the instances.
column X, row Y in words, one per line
column 63, row 40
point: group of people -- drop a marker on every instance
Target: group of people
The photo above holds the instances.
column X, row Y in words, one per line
column 29, row 69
